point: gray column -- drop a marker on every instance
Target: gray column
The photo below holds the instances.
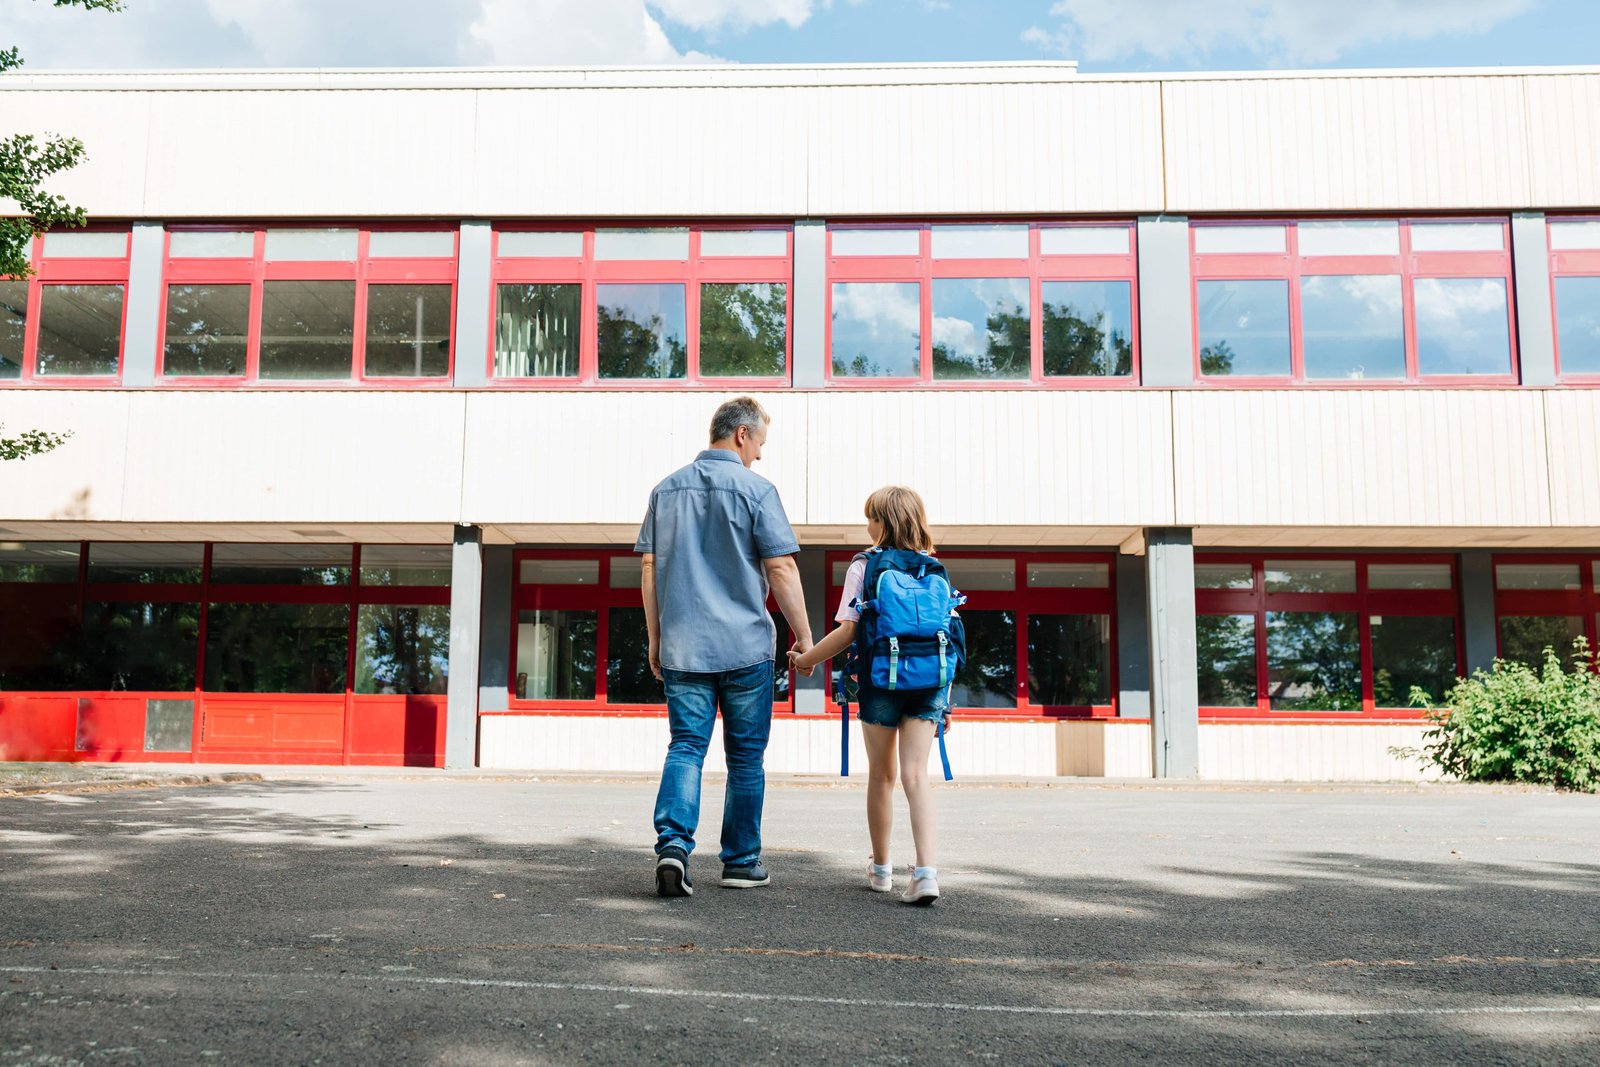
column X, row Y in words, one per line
column 1166, row 320
column 810, row 326
column 466, row 600
column 494, row 630
column 1530, row 263
column 811, row 694
column 472, row 303
column 1175, row 698
column 1133, row 639
column 1477, row 610
column 143, row 319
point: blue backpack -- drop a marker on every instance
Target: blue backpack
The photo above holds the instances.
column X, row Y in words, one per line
column 909, row 637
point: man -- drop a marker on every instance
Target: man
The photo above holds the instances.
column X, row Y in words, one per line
column 714, row 541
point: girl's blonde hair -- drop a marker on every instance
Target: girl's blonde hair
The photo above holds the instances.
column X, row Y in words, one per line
column 905, row 521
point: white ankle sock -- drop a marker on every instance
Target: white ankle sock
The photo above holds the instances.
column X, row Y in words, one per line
column 882, row 869
column 925, row 872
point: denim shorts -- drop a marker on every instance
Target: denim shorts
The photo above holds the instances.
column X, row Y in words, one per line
column 887, row 707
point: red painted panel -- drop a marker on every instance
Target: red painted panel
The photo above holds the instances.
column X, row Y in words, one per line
column 269, row 723
column 110, row 728
column 38, row 727
column 398, row 730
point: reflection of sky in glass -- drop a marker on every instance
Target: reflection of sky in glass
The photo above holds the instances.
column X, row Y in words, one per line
column 1578, row 324
column 1352, row 326
column 961, row 311
column 1252, row 319
column 656, row 309
column 1362, row 237
column 1462, row 326
column 877, row 329
column 1107, row 306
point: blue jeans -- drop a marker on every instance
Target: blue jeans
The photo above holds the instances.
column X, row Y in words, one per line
column 745, row 697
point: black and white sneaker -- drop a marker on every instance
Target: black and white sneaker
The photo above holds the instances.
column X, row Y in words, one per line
column 752, row 876
column 672, row 873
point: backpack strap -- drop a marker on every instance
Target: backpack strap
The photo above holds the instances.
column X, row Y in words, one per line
column 944, row 757
column 848, row 669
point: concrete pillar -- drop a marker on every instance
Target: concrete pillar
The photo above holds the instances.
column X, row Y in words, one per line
column 810, row 304
column 1477, row 610
column 1175, row 696
column 1530, row 265
column 142, row 323
column 1166, row 302
column 494, row 630
column 472, row 306
column 466, row 618
column 1133, row 639
column 811, row 694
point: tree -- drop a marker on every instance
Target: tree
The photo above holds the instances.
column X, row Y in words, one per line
column 1216, row 359
column 30, row 443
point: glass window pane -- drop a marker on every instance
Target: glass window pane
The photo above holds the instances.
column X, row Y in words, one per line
column 80, row 329
column 841, row 568
column 973, row 575
column 211, row 244
column 1457, row 237
column 408, row 330
column 1224, row 576
column 1577, row 325
column 280, row 564
column 405, row 564
column 145, row 564
column 277, row 648
column 1310, row 576
column 876, row 242
column 989, row 680
column 1088, row 328
column 980, row 242
column 1244, row 328
column 628, row 677
column 627, row 572
column 38, row 561
column 1351, row 238
column 1576, row 235
column 402, row 648
column 536, row 331
column 557, row 244
column 411, row 244
column 39, row 621
column 1523, row 638
column 744, row 242
column 643, row 331
column 307, row 330
column 1226, row 660
column 70, row 244
column 781, row 675
column 743, row 329
column 1408, row 576
column 981, row 328
column 1352, row 326
column 641, row 244
column 556, row 652
column 137, row 646
column 207, row 330
column 13, row 326
column 559, row 572
column 1069, row 660
column 877, row 329
column 1069, row 575
column 1212, row 240
column 1314, row 660
column 1462, row 326
column 1412, row 650
column 1562, row 576
column 330, row 245
column 1083, row 240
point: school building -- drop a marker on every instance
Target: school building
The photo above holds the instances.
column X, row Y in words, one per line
column 1242, row 403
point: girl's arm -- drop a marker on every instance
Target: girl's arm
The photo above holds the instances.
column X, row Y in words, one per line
column 830, row 646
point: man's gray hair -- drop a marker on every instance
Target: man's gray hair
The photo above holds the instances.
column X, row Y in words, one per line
column 740, row 411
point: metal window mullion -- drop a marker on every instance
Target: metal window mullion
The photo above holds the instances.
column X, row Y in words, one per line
column 258, row 299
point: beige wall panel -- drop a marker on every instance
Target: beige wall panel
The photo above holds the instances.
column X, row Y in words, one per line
column 1354, row 458
column 1311, row 752
column 1574, row 440
column 593, row 458
column 1400, row 143
column 996, row 458
column 294, row 457
column 114, row 129
column 1564, row 139
column 82, row 479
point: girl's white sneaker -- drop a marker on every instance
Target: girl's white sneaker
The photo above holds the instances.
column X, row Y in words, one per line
column 879, row 883
column 922, row 892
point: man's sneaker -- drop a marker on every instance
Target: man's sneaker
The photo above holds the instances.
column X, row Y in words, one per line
column 672, row 873
column 923, row 891
column 750, row 877
column 879, row 883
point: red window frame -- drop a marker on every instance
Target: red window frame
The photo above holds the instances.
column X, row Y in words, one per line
column 599, row 598
column 1583, row 601
column 1570, row 263
column 1022, row 602
column 1036, row 268
column 1290, row 266
column 255, row 270
column 1364, row 602
column 71, row 270
column 691, row 273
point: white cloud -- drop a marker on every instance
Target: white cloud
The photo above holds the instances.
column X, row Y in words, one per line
column 1288, row 31
column 735, row 14
column 527, row 33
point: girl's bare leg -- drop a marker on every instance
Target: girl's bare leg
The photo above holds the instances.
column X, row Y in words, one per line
column 881, row 772
column 916, row 738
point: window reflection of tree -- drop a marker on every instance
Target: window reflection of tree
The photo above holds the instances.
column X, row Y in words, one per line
column 1412, row 651
column 634, row 346
column 989, row 679
column 1314, row 660
column 403, row 648
column 743, row 329
column 1068, row 660
column 1226, row 660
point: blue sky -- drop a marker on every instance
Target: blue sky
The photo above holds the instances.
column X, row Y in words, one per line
column 1103, row 35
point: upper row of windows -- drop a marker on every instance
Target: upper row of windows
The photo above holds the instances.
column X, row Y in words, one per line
column 1312, row 301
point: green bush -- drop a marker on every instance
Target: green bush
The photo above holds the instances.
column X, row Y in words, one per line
column 1514, row 724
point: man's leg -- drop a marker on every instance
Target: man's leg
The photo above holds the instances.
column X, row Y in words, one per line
column 691, row 712
column 746, row 697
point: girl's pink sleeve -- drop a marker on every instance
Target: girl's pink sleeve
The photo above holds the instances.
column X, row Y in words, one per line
column 852, row 591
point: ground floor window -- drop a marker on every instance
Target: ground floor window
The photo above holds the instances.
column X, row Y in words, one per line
column 1545, row 602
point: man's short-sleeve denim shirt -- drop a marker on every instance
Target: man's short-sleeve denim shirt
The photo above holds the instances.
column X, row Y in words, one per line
column 710, row 525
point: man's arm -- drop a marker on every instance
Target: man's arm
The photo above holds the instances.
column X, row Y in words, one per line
column 783, row 576
column 652, row 615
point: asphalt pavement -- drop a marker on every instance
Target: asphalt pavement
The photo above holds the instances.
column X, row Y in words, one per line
column 438, row 920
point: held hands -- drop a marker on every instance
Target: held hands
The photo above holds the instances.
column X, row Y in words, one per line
column 800, row 658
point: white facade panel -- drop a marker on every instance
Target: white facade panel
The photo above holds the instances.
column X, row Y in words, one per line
column 1313, row 752
column 81, row 480
column 1574, row 442
column 1564, row 139
column 115, row 131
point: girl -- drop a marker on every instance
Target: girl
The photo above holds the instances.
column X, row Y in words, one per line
column 895, row 519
